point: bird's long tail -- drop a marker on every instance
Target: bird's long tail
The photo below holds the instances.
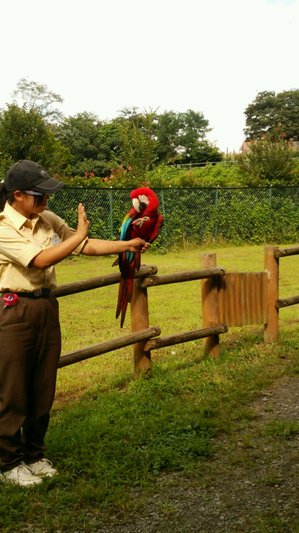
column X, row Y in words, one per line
column 124, row 297
column 125, row 291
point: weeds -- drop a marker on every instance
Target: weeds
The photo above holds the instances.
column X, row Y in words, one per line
column 284, row 429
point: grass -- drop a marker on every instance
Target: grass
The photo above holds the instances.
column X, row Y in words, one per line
column 284, row 429
column 111, row 434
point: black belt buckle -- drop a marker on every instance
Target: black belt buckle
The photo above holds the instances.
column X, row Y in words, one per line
column 41, row 293
column 38, row 293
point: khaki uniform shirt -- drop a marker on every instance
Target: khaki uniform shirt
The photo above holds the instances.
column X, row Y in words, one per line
column 21, row 240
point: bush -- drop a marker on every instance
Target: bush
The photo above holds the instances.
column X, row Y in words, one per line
column 268, row 162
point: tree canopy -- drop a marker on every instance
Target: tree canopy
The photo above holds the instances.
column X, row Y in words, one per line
column 33, row 127
column 135, row 142
column 273, row 114
column 33, row 96
column 181, row 138
column 25, row 135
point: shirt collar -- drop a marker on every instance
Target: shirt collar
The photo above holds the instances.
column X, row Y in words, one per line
column 17, row 218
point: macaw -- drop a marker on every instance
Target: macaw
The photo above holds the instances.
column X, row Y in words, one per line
column 142, row 220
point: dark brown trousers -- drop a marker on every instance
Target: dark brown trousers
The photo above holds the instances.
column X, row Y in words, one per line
column 30, row 344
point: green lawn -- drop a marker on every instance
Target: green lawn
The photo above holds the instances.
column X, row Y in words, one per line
column 110, row 433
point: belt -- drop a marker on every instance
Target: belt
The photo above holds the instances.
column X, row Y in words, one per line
column 38, row 293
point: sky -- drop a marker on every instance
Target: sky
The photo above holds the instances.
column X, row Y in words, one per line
column 101, row 56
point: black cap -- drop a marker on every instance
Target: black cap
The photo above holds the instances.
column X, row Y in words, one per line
column 28, row 175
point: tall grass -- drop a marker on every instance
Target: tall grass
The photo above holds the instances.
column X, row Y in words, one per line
column 111, row 434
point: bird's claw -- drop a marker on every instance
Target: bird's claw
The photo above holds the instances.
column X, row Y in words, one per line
column 140, row 221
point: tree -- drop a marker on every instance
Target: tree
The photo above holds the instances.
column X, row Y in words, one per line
column 137, row 141
column 167, row 128
column 192, row 138
column 24, row 134
column 182, row 138
column 95, row 145
column 275, row 115
column 31, row 95
column 109, row 141
column 202, row 152
column 80, row 135
column 288, row 106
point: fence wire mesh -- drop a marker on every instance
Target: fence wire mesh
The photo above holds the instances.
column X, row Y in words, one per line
column 253, row 215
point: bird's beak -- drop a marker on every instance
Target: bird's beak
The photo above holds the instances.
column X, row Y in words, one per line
column 136, row 204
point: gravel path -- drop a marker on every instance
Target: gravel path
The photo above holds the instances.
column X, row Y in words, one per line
column 250, row 485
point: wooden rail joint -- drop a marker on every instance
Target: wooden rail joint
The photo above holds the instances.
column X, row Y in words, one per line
column 286, row 302
column 179, row 277
column 187, row 336
column 284, row 252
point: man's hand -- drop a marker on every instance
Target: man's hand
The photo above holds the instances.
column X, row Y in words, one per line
column 138, row 245
column 83, row 222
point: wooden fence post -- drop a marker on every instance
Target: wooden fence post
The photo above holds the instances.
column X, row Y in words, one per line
column 271, row 329
column 140, row 320
column 209, row 293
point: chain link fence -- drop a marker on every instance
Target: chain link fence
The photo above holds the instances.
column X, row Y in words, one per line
column 239, row 215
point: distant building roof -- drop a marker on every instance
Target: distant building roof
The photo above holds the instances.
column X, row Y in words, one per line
column 245, row 146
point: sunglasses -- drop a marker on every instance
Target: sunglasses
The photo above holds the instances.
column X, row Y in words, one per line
column 35, row 193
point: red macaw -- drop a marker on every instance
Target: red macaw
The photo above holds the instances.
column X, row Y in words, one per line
column 144, row 221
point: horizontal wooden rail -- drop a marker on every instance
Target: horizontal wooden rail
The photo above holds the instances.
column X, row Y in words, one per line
column 284, row 252
column 285, row 302
column 176, row 277
column 109, row 346
column 187, row 336
column 100, row 281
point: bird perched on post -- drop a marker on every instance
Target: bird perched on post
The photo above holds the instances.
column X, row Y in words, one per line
column 144, row 221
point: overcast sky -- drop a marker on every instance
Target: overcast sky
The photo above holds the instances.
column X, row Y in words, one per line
column 211, row 56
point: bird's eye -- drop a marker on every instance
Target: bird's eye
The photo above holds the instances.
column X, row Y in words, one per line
column 143, row 199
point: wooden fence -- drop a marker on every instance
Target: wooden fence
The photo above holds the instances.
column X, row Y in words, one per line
column 247, row 298
column 144, row 338
column 228, row 299
column 272, row 256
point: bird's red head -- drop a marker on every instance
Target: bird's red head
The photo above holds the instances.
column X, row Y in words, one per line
column 144, row 199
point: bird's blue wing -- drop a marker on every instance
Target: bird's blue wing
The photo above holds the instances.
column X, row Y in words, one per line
column 125, row 235
column 126, row 224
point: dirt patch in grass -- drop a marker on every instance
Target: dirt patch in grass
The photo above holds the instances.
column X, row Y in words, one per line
column 251, row 484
